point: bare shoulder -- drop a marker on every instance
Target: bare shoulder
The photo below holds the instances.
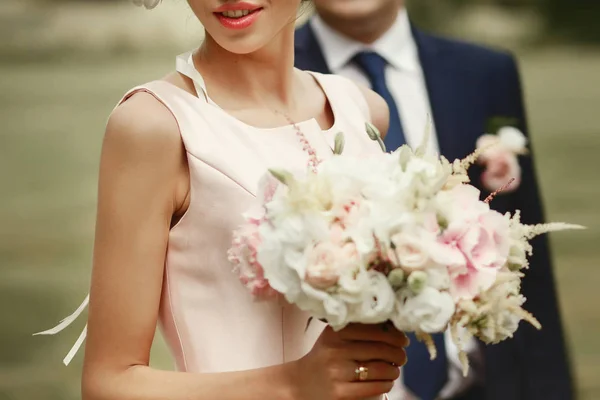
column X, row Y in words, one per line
column 378, row 108
column 142, row 125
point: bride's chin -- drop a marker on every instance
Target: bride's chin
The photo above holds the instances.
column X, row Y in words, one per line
column 241, row 45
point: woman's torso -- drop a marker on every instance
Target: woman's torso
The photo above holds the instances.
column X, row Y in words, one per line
column 210, row 321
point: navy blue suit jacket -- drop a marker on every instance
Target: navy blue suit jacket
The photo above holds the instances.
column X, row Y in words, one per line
column 467, row 86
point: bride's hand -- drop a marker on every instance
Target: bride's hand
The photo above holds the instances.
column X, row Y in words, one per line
column 331, row 370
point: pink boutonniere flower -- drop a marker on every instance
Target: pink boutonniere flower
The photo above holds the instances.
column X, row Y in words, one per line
column 499, row 157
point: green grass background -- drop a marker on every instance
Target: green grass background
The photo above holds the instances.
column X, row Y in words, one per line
column 52, row 116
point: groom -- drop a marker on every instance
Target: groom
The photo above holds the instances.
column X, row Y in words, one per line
column 463, row 87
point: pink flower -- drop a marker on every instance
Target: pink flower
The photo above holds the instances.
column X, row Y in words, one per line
column 500, row 158
column 327, row 261
column 411, row 248
column 243, row 255
column 473, row 248
column 460, row 203
column 500, row 168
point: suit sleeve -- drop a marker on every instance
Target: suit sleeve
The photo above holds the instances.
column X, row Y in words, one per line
column 545, row 358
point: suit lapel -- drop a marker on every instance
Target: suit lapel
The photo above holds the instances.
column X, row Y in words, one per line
column 308, row 52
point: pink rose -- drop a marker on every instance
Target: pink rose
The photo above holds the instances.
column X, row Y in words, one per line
column 500, row 168
column 243, row 255
column 327, row 261
column 473, row 251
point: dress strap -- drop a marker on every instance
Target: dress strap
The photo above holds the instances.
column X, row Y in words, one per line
column 65, row 323
column 185, row 66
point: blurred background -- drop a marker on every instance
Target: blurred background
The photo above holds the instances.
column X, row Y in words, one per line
column 64, row 64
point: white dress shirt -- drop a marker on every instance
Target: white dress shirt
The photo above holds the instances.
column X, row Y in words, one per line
column 406, row 82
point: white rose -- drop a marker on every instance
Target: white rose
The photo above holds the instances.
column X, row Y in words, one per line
column 513, row 139
column 411, row 247
column 378, row 301
column 352, row 285
column 324, row 305
column 277, row 272
column 337, row 312
column 429, row 311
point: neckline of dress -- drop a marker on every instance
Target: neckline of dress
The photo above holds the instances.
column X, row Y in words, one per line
column 185, row 66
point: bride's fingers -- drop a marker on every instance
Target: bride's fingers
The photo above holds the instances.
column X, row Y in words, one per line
column 363, row 372
column 375, row 351
column 375, row 333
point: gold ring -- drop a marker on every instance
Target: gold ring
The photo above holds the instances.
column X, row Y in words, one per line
column 362, row 373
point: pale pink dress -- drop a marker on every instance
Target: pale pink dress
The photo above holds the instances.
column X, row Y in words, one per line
column 210, row 321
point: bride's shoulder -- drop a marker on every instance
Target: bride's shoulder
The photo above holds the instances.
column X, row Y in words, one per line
column 373, row 106
column 142, row 122
column 145, row 110
column 378, row 109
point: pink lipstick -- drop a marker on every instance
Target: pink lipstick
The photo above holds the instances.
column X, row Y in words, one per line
column 238, row 15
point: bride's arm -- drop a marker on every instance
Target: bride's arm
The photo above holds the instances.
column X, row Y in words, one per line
column 143, row 183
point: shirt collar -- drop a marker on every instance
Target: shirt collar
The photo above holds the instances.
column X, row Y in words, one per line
column 397, row 45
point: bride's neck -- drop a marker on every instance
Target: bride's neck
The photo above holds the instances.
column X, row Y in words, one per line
column 264, row 76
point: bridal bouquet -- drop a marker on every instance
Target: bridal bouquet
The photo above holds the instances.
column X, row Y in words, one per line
column 398, row 237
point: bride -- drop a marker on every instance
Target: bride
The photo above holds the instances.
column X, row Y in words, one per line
column 180, row 163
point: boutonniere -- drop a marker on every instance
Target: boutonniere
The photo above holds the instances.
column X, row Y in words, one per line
column 499, row 153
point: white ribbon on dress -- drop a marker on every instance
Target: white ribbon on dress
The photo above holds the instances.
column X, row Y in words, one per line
column 65, row 323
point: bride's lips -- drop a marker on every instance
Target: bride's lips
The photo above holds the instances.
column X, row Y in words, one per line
column 229, row 15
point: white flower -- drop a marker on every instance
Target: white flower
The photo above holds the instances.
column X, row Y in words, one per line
column 517, row 257
column 461, row 203
column 323, row 305
column 377, row 302
column 495, row 315
column 353, row 284
column 508, row 139
column 512, row 139
column 502, row 326
column 411, row 248
column 429, row 311
column 149, row 4
column 438, row 277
